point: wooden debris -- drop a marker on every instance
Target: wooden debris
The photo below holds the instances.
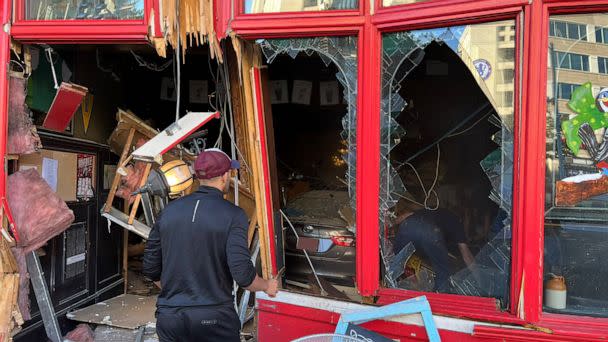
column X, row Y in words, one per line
column 10, row 316
column 192, row 21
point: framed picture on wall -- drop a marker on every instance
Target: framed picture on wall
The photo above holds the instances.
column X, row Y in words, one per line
column 167, row 89
column 279, row 92
column 329, row 93
column 198, row 91
column 302, row 90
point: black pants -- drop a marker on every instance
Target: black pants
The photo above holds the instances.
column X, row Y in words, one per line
column 216, row 323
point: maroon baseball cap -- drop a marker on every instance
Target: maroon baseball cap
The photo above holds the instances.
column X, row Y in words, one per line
column 212, row 163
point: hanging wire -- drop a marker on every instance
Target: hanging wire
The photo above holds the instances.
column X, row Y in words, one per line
column 431, row 191
column 178, row 65
column 149, row 65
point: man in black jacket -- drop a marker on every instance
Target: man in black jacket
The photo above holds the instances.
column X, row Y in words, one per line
column 196, row 249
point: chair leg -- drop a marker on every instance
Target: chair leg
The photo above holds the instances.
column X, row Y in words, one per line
column 116, row 180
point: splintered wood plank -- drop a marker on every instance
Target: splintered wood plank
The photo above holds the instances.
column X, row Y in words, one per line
column 121, row 161
column 251, row 231
column 9, row 284
column 254, row 142
column 124, row 311
column 270, row 144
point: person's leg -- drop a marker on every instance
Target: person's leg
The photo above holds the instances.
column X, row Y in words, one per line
column 428, row 239
column 170, row 325
column 213, row 324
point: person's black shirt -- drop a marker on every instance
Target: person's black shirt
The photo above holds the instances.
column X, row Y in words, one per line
column 196, row 249
column 450, row 225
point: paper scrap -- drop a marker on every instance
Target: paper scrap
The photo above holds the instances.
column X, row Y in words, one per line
column 75, row 258
column 49, row 172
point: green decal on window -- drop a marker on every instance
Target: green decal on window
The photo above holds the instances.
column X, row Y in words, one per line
column 584, row 105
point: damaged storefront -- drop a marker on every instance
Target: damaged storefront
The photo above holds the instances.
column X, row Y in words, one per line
column 411, row 169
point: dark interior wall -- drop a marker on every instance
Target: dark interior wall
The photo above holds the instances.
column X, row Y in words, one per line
column 307, row 137
column 120, row 82
column 440, row 102
column 106, row 91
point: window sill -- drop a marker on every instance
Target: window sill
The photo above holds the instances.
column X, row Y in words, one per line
column 475, row 308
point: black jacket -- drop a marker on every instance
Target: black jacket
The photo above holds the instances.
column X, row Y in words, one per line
column 197, row 247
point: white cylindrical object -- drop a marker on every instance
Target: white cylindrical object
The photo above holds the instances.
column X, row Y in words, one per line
column 555, row 299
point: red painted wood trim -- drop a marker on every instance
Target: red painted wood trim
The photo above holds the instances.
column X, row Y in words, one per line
column 476, row 308
column 158, row 30
column 530, row 335
column 517, row 228
column 222, row 17
column 529, row 199
column 239, row 12
column 287, row 27
column 569, row 323
column 259, row 98
column 368, row 160
column 444, row 11
column 416, row 21
column 441, row 6
column 79, row 32
column 314, row 321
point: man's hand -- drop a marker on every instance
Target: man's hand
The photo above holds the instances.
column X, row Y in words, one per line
column 272, row 287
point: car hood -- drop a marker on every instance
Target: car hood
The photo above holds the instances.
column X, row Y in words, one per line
column 322, row 207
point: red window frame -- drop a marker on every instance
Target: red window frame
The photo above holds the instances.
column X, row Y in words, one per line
column 528, row 207
column 83, row 31
column 582, row 326
column 239, row 10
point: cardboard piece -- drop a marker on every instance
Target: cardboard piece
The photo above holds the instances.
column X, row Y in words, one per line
column 67, row 100
column 66, row 175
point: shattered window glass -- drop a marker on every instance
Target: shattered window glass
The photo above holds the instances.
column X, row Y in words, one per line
column 273, row 6
column 341, row 51
column 313, row 93
column 447, row 159
column 576, row 186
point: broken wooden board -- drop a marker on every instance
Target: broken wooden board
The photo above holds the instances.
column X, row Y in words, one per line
column 166, row 140
column 127, row 120
column 124, row 311
column 122, row 219
column 10, row 317
column 67, row 100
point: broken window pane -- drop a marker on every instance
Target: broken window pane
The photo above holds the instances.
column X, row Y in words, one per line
column 313, row 92
column 576, row 201
column 273, row 6
column 84, row 10
column 447, row 159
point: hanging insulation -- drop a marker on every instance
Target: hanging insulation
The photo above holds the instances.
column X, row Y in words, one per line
column 192, row 23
